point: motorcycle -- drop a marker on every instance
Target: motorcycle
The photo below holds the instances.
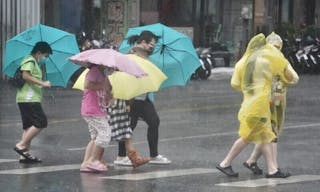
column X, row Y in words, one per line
column 204, row 71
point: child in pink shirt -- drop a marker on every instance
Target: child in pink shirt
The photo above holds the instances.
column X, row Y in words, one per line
column 96, row 97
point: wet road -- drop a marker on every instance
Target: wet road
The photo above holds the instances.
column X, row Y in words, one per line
column 198, row 126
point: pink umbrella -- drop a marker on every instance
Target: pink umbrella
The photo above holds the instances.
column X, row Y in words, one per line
column 109, row 58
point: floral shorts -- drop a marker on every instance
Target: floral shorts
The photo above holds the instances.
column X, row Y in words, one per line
column 99, row 130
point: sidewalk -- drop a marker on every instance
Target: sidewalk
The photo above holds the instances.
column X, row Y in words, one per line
column 221, row 72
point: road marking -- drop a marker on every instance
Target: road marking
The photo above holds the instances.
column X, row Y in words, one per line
column 44, row 169
column 7, row 160
column 271, row 182
column 160, row 174
column 292, row 127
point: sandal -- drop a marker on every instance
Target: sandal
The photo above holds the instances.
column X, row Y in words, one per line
column 227, row 170
column 137, row 160
column 87, row 170
column 30, row 161
column 254, row 168
column 25, row 153
column 97, row 166
column 278, row 174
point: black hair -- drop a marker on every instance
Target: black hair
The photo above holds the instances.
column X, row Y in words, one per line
column 42, row 47
column 146, row 36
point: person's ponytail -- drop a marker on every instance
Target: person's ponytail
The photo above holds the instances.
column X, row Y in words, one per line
column 133, row 39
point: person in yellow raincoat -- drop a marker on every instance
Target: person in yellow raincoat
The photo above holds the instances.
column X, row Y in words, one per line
column 253, row 76
column 277, row 107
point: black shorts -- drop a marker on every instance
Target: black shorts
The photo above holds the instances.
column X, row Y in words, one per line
column 32, row 115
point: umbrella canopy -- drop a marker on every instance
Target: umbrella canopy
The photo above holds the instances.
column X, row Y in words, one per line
column 174, row 53
column 58, row 69
column 125, row 86
column 109, row 58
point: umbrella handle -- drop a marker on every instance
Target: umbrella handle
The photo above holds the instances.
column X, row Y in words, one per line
column 50, row 93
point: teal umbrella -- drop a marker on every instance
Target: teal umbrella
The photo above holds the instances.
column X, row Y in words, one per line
column 174, row 53
column 58, row 69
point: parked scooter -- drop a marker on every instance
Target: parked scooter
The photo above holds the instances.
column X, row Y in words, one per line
column 204, row 71
column 94, row 41
column 313, row 53
column 297, row 54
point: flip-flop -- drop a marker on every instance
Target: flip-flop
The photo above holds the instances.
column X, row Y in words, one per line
column 25, row 153
column 22, row 152
column 87, row 170
column 97, row 166
column 227, row 170
column 30, row 161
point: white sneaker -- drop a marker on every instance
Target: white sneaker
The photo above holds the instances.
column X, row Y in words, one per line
column 124, row 161
column 160, row 160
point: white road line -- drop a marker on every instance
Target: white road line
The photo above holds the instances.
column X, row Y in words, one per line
column 160, row 174
column 7, row 160
column 271, row 182
column 44, row 169
column 169, row 173
column 292, row 127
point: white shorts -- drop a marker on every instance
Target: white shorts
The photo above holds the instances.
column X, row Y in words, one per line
column 99, row 130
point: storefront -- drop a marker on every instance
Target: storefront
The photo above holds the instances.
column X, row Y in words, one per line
column 231, row 22
column 112, row 18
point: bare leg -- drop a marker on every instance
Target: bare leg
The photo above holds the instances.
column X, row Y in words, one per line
column 251, row 163
column 95, row 161
column 275, row 154
column 236, row 148
column 129, row 145
column 255, row 155
column 23, row 137
column 27, row 137
column 257, row 152
column 268, row 156
column 88, row 153
column 97, row 153
column 28, row 147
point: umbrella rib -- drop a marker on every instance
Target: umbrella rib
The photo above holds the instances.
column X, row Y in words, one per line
column 40, row 32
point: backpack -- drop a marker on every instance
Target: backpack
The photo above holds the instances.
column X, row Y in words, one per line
column 17, row 79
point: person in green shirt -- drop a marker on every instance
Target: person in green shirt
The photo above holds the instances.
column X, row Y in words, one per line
column 29, row 100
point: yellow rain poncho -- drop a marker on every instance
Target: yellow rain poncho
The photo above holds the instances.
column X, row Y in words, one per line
column 253, row 76
column 279, row 89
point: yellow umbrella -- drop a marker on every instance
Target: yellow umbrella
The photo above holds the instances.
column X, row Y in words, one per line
column 125, row 86
column 79, row 84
